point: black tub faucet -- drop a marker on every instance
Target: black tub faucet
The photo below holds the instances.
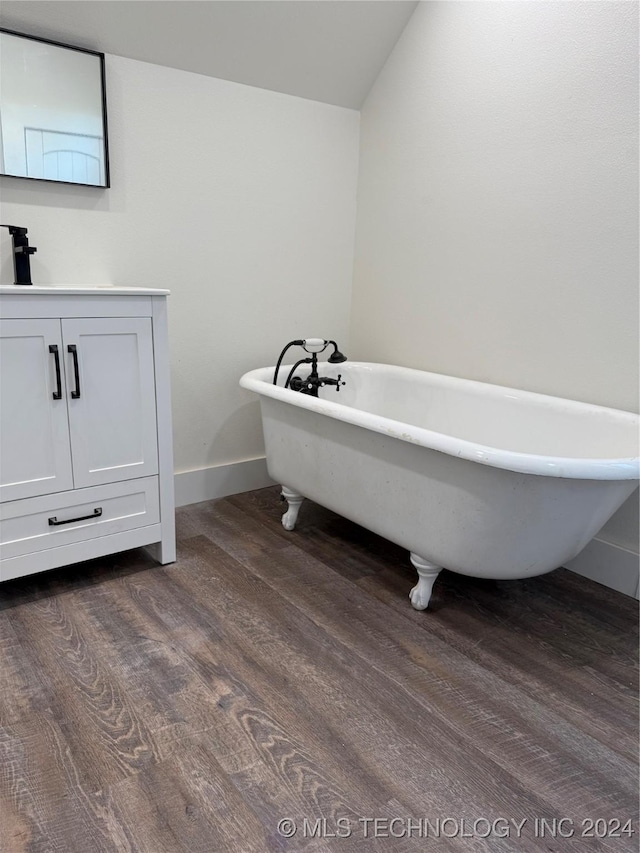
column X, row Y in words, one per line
column 310, row 385
column 21, row 252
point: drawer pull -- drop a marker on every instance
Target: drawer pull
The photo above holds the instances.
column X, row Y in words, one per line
column 57, row 394
column 95, row 514
column 73, row 349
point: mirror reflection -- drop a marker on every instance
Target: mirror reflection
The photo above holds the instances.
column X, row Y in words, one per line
column 52, row 116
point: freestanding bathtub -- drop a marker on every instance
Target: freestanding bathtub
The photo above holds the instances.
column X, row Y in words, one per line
column 479, row 479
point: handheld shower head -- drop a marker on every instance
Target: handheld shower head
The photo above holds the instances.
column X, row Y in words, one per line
column 314, row 344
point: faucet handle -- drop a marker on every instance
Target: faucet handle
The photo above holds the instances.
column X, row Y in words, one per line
column 15, row 229
column 336, row 382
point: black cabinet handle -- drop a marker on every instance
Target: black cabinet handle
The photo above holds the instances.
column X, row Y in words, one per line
column 53, row 521
column 73, row 349
column 57, row 394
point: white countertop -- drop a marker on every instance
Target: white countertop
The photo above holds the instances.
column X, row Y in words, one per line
column 79, row 290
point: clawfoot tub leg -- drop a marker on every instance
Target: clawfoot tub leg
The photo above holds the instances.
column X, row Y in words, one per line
column 427, row 573
column 291, row 515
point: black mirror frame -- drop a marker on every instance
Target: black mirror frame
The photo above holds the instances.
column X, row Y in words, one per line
column 103, row 87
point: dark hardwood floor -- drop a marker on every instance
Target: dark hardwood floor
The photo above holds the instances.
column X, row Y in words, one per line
column 269, row 675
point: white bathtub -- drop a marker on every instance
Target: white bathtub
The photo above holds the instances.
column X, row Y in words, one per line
column 479, row 479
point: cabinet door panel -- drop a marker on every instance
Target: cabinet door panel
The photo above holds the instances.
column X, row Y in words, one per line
column 35, row 458
column 113, row 420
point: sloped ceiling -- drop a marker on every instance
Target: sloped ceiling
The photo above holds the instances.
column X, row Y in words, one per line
column 325, row 50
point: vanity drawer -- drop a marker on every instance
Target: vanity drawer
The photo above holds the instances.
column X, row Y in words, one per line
column 50, row 521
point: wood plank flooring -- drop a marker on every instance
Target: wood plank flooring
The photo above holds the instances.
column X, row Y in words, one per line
column 269, row 675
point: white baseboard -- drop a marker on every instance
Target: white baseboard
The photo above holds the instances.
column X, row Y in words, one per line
column 608, row 564
column 206, row 484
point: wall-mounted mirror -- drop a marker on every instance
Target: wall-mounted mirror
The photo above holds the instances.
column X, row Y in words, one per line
column 53, row 117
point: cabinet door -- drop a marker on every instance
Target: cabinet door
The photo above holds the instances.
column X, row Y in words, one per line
column 35, row 458
column 111, row 399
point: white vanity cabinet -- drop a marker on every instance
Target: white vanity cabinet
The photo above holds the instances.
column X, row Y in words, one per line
column 86, row 463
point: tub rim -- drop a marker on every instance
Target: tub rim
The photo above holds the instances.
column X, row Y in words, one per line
column 565, row 467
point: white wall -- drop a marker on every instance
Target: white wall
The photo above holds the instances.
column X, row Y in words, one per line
column 497, row 229
column 239, row 200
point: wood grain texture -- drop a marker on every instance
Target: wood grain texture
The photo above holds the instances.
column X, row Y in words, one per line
column 270, row 674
